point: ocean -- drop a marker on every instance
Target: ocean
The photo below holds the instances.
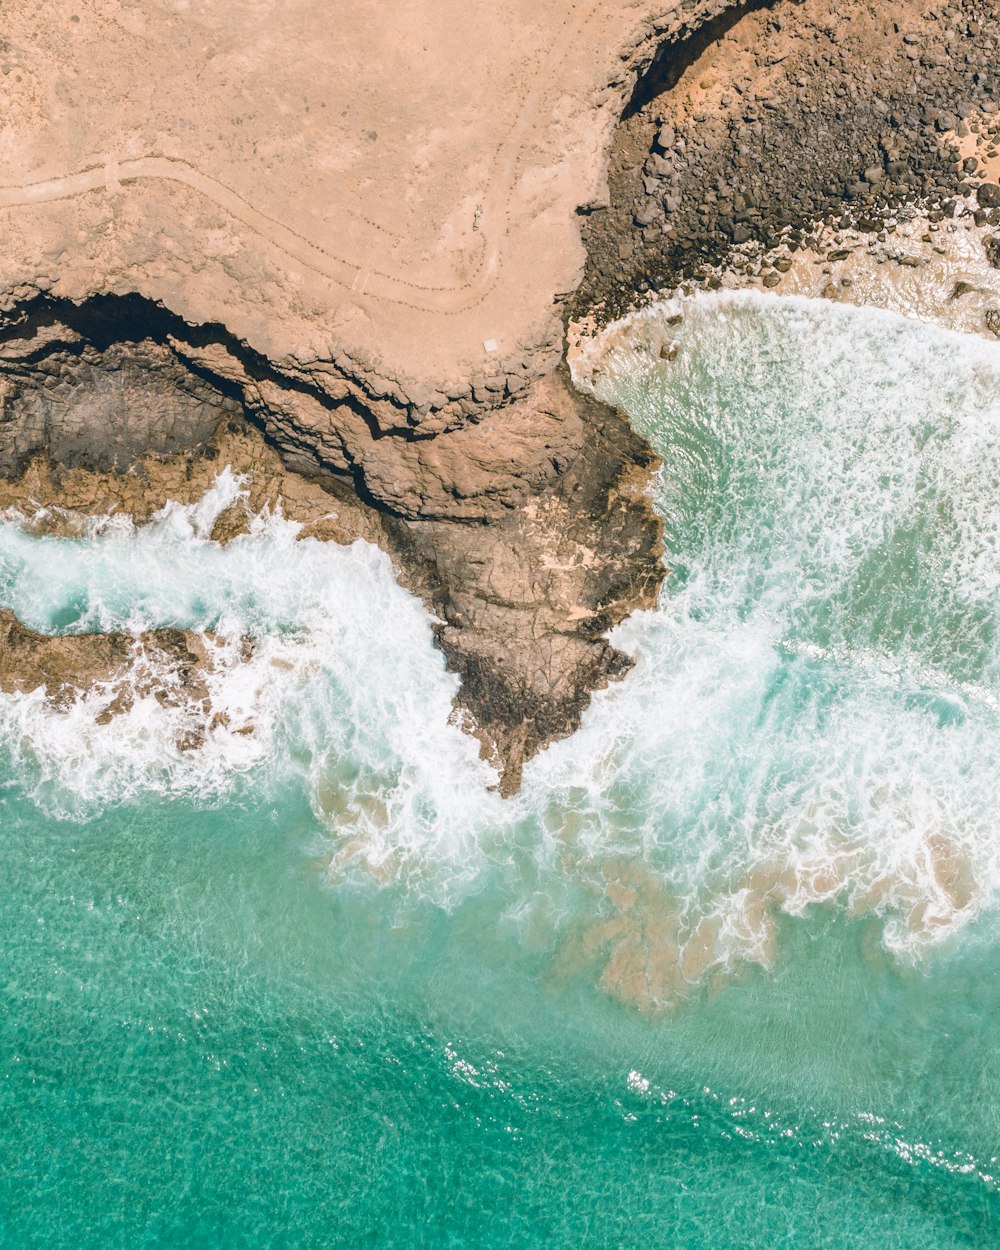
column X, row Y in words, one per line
column 723, row 974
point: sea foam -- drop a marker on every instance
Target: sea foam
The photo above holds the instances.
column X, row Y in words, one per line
column 812, row 720
column 341, row 688
column 816, row 699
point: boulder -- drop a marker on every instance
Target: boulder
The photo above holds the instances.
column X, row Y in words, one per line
column 988, row 195
column 666, row 138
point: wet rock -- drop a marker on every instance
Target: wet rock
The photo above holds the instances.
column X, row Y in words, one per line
column 527, row 531
column 525, row 602
column 992, row 320
column 167, row 664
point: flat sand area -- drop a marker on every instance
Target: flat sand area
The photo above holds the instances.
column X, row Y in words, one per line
column 393, row 185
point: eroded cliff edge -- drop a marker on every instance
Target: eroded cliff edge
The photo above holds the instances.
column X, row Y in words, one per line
column 251, row 239
column 527, row 532
column 513, row 505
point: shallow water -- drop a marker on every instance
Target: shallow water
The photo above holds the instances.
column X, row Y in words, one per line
column 722, row 975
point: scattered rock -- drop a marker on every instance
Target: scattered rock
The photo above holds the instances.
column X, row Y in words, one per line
column 786, row 137
column 993, row 321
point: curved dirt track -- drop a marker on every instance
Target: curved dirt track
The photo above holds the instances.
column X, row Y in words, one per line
column 431, row 214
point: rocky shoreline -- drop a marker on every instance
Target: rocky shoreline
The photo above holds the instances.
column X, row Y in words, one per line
column 528, row 534
column 791, row 146
column 167, row 664
column 795, row 118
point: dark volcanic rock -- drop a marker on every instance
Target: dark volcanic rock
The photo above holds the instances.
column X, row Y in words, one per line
column 843, row 121
column 988, row 195
column 105, row 409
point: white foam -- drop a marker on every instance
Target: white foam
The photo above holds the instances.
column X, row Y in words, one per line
column 816, row 701
column 813, row 717
column 342, row 688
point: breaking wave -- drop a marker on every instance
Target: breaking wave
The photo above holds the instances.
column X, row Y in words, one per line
column 813, row 718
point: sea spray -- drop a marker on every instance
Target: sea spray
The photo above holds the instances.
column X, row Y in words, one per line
column 316, row 979
column 813, row 716
column 821, row 678
column 337, row 687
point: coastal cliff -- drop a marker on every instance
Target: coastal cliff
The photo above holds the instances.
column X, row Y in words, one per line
column 159, row 325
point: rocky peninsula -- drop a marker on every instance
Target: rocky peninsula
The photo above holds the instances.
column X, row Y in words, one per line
column 309, row 248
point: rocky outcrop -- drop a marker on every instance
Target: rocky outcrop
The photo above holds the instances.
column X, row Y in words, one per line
column 793, row 115
column 528, row 533
column 526, row 599
column 165, row 664
column 375, row 340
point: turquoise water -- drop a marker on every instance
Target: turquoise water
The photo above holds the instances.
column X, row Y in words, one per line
column 724, row 973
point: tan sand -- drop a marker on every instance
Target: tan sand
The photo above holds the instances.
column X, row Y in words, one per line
column 391, row 186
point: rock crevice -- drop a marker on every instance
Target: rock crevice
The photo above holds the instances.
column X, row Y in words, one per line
column 528, row 533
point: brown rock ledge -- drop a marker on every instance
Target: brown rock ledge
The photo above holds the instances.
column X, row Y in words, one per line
column 365, row 254
column 371, row 339
column 528, row 534
column 168, row 664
